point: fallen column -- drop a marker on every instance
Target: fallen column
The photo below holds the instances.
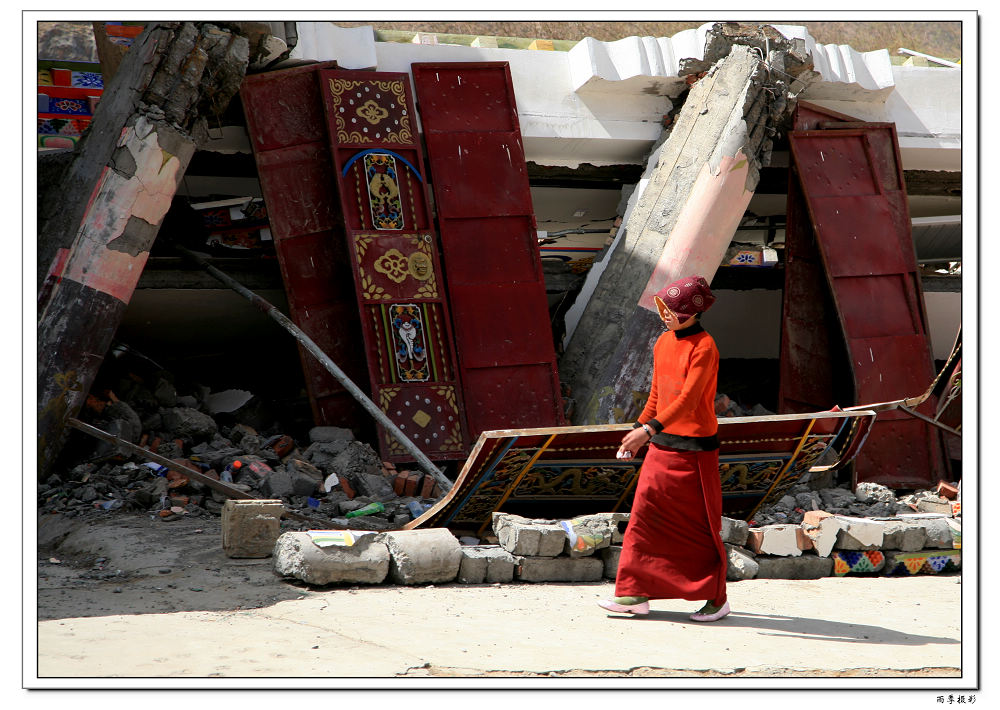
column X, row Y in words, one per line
column 682, row 222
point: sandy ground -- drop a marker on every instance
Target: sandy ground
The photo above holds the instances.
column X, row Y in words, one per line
column 133, row 597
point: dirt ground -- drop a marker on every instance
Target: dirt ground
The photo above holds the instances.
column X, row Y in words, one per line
column 129, row 596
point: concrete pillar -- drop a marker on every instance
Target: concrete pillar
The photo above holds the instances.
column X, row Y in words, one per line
column 99, row 221
column 364, row 562
column 681, row 224
column 423, row 556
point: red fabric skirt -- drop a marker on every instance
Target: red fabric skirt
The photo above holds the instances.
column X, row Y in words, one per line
column 672, row 547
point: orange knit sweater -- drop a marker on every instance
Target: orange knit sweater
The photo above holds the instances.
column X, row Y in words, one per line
column 685, row 375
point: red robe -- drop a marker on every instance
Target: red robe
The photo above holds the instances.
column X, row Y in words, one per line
column 673, row 547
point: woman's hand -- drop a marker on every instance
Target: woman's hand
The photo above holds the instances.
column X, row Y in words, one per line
column 632, row 442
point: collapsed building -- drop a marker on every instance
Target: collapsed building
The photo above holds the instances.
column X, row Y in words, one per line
column 419, row 211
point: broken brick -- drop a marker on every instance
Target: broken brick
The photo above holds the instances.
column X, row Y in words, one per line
column 427, row 487
column 412, row 483
column 346, row 487
column 399, row 483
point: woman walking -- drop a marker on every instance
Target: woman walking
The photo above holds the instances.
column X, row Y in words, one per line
column 672, row 547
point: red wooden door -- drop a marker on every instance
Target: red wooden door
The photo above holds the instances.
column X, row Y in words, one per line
column 496, row 288
column 393, row 255
column 853, row 187
column 288, row 133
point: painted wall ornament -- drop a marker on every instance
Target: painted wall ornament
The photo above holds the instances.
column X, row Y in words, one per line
column 383, row 191
column 409, row 343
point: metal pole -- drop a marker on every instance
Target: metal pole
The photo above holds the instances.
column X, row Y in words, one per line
column 418, row 456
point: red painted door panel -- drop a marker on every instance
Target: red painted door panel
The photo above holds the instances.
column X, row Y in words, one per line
column 287, row 130
column 853, row 187
column 393, row 256
column 488, row 245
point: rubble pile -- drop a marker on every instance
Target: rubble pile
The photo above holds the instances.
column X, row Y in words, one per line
column 329, row 476
column 869, row 500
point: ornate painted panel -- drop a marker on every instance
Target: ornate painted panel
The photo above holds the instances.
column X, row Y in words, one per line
column 405, row 319
column 496, row 288
column 287, row 130
column 852, row 184
column 562, row 472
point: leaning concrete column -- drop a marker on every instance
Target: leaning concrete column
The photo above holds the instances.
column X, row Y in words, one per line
column 681, row 224
column 107, row 208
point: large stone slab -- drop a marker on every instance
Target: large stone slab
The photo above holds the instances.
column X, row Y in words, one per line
column 423, row 556
column 364, row 562
column 559, row 569
column 822, row 529
column 487, row 564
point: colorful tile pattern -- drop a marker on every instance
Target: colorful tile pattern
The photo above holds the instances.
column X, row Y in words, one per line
column 857, row 562
column 923, row 562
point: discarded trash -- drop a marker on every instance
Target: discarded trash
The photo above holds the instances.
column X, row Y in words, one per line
column 416, row 509
column 227, row 473
column 109, row 504
column 579, row 540
column 54, row 561
column 468, row 540
column 312, row 502
column 280, row 444
column 156, row 468
column 340, row 538
column 367, row 510
column 331, row 481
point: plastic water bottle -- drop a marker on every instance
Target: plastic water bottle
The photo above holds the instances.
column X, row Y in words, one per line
column 227, row 472
column 157, row 469
column 367, row 510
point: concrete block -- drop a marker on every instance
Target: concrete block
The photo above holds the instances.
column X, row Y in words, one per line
column 250, row 527
column 734, row 532
column 822, row 530
column 527, row 537
column 423, row 556
column 741, row 564
column 939, row 533
column 804, row 567
column 860, row 534
column 559, row 569
column 779, row 540
column 934, row 506
column 903, row 535
column 485, row 564
column 611, row 555
column 364, row 562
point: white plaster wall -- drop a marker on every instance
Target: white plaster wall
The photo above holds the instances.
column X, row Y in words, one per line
column 558, row 127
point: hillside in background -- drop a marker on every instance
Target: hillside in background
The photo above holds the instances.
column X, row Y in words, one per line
column 74, row 41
